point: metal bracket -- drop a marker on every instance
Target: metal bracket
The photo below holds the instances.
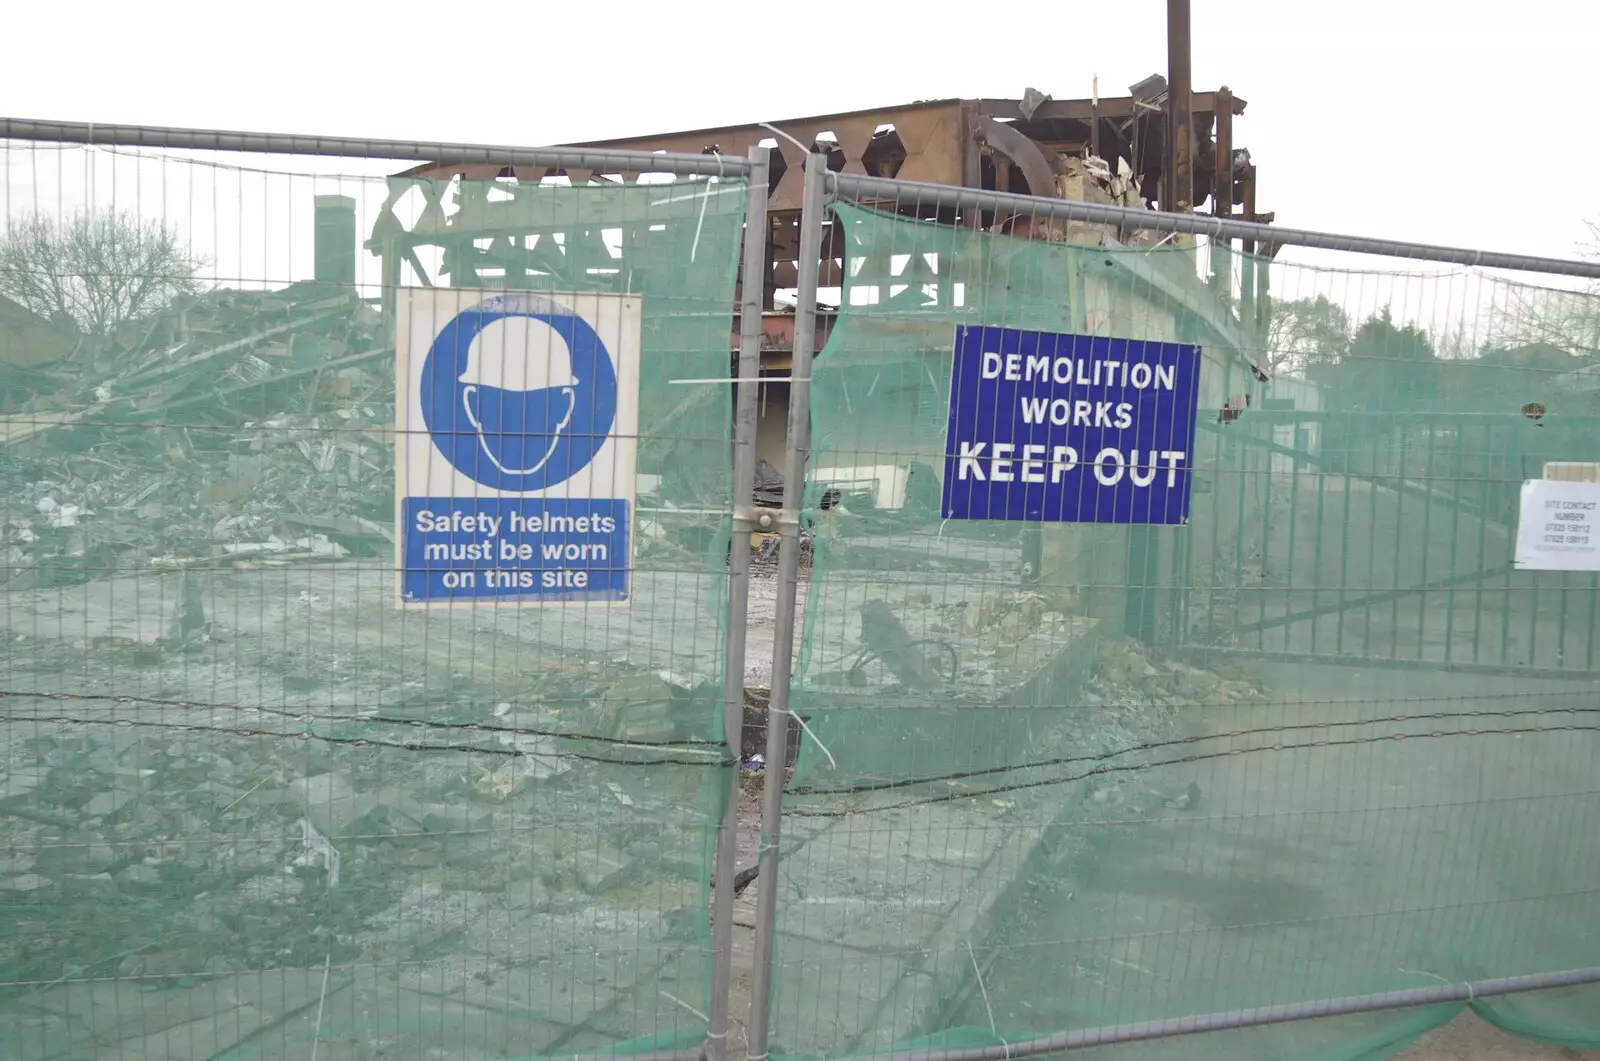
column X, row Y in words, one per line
column 747, row 519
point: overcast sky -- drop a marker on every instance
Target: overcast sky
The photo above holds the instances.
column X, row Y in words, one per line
column 1461, row 123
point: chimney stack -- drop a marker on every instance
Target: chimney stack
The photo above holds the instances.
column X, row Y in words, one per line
column 334, row 244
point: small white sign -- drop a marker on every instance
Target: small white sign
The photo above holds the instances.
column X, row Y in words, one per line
column 518, row 422
column 1560, row 526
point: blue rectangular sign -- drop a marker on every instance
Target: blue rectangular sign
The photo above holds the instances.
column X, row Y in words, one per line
column 1070, row 428
column 538, row 548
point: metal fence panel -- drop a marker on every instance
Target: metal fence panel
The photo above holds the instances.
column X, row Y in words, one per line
column 1067, row 783
column 1306, row 747
column 249, row 806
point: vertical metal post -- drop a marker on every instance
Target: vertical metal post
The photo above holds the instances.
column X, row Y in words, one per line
column 1143, row 571
column 1247, row 275
column 1222, row 177
column 1222, row 195
column 1180, row 124
column 797, row 449
column 971, row 165
column 1264, row 295
column 753, row 282
column 392, row 255
column 1094, row 117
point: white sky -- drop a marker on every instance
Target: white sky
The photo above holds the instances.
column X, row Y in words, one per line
column 1458, row 123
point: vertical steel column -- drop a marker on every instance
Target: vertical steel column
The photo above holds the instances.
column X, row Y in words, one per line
column 752, row 285
column 797, row 448
column 1180, row 121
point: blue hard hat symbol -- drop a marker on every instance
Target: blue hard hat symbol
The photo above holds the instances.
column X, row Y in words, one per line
column 518, row 393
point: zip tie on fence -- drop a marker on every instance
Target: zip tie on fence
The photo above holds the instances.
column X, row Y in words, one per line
column 678, row 1001
column 993, row 1030
column 807, row 729
column 700, row 222
column 1423, row 972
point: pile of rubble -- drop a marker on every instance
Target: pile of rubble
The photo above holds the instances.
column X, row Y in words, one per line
column 130, row 852
column 233, row 426
column 1141, row 699
column 1125, row 673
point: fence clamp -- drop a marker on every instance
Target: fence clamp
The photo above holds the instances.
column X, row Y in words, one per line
column 747, row 519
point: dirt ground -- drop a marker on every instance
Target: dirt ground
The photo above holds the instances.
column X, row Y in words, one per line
column 1362, row 858
column 1469, row 1039
column 1350, row 841
column 1328, row 859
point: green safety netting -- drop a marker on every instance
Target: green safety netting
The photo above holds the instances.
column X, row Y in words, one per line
column 1320, row 741
column 250, row 808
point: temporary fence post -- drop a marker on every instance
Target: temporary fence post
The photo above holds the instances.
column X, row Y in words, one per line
column 752, row 275
column 796, row 449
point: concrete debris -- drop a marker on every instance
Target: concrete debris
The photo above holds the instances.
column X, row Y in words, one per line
column 1031, row 101
column 451, row 817
column 600, row 866
column 245, row 437
column 886, row 638
column 107, row 803
column 1188, row 799
column 328, row 802
column 17, row 862
column 20, row 782
column 768, row 486
column 652, row 708
column 277, row 854
column 317, row 850
column 1106, row 795
column 140, row 876
column 1124, row 672
column 501, row 782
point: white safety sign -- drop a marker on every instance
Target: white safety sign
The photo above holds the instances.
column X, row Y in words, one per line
column 517, row 445
column 1559, row 529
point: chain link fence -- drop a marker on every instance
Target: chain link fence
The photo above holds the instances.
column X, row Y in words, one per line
column 1148, row 636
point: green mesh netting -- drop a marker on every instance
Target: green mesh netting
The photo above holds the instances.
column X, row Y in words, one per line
column 248, row 807
column 1066, row 776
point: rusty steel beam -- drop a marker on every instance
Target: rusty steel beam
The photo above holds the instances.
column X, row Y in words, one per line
column 1247, row 281
column 1179, row 176
column 1025, row 153
column 1108, row 108
column 1094, row 118
column 1222, row 165
column 1111, row 108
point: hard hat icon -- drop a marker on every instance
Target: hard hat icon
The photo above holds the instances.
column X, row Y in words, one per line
column 519, row 392
column 518, row 354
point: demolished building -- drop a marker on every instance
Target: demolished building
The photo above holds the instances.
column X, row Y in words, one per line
column 1110, row 150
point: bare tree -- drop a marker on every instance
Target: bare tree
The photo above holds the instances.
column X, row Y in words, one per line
column 1562, row 315
column 1305, row 334
column 94, row 271
column 1566, row 319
